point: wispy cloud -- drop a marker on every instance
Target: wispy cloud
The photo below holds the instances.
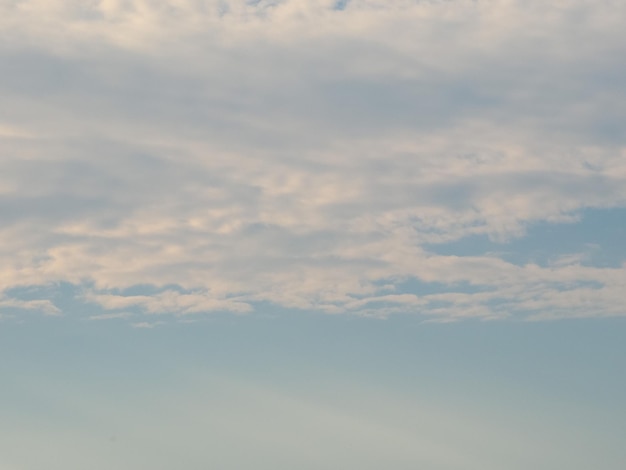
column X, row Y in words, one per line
column 229, row 153
column 146, row 325
column 110, row 316
column 45, row 306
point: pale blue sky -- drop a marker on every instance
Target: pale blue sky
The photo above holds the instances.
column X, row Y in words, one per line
column 313, row 391
column 312, row 234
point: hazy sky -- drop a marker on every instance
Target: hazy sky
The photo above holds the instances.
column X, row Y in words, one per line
column 312, row 234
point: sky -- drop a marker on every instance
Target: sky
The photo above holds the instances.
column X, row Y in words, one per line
column 312, row 234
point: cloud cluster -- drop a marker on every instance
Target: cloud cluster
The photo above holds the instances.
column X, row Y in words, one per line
column 307, row 153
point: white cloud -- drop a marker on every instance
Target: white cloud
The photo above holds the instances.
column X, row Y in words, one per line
column 110, row 316
column 291, row 153
column 144, row 325
column 45, row 306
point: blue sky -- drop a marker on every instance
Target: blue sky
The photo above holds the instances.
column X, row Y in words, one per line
column 315, row 391
column 312, row 234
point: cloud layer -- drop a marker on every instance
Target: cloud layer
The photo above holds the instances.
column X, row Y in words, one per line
column 308, row 154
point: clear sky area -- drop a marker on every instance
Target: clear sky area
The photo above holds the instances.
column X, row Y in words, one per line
column 312, row 234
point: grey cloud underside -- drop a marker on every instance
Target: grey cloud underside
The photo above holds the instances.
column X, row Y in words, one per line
column 307, row 155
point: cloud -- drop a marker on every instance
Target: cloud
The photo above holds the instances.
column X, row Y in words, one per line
column 45, row 306
column 110, row 316
column 144, row 325
column 233, row 153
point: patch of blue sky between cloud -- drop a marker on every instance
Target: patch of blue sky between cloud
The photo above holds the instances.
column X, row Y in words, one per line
column 341, row 4
column 594, row 237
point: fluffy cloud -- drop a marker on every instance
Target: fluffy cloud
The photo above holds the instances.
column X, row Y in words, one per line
column 307, row 153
